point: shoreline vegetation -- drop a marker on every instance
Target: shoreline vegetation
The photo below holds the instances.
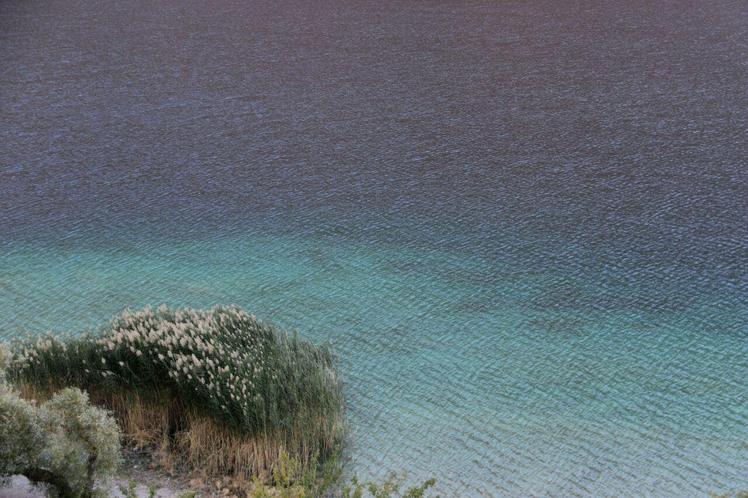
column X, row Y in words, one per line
column 216, row 398
column 213, row 394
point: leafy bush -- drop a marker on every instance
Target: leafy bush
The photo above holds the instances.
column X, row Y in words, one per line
column 83, row 442
column 390, row 488
column 246, row 377
column 22, row 438
column 64, row 443
column 290, row 480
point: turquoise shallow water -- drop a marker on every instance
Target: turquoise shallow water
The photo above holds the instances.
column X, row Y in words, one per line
column 444, row 375
column 521, row 224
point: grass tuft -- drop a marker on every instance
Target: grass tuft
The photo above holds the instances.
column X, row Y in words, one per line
column 217, row 390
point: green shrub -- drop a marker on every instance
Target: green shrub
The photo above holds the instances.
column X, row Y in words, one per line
column 291, row 482
column 64, row 443
column 83, row 442
column 389, row 488
column 22, row 437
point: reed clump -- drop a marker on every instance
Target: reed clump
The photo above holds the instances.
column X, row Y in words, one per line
column 214, row 391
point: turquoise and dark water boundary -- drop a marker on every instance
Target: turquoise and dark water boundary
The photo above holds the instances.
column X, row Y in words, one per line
column 520, row 224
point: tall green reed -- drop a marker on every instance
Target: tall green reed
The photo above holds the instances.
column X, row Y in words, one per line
column 223, row 363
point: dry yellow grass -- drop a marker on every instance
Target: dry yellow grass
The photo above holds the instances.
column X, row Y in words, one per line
column 178, row 438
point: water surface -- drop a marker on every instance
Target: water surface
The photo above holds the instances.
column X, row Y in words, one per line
column 522, row 224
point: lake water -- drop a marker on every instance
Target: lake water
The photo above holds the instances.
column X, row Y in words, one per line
column 523, row 225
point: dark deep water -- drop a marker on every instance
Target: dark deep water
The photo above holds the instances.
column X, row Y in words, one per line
column 524, row 225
